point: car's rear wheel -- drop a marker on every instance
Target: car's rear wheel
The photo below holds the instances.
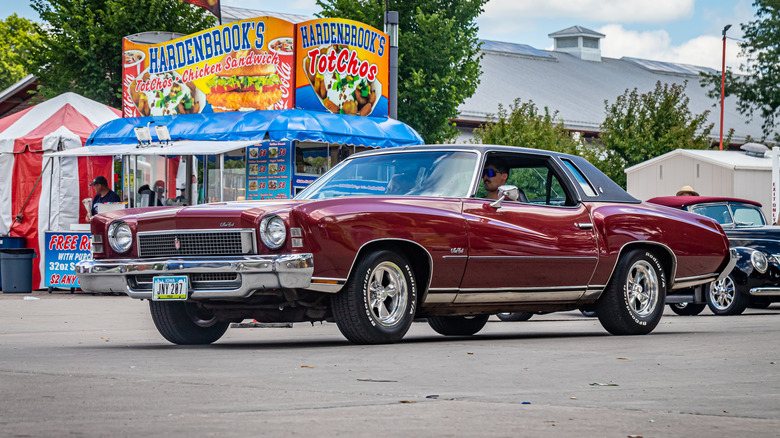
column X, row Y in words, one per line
column 723, row 298
column 515, row 316
column 378, row 303
column 633, row 301
column 185, row 323
column 458, row 325
column 687, row 309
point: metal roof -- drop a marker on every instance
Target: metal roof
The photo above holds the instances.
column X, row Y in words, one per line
column 735, row 160
column 232, row 13
column 513, row 48
column 576, row 31
column 578, row 88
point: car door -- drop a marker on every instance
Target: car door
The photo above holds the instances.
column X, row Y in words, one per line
column 540, row 250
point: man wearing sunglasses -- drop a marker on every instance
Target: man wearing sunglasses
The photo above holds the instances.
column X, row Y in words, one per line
column 494, row 175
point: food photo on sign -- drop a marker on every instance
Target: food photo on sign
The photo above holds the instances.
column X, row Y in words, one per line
column 341, row 67
column 242, row 66
column 248, row 81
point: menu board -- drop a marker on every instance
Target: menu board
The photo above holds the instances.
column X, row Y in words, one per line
column 341, row 67
column 242, row 66
column 268, row 170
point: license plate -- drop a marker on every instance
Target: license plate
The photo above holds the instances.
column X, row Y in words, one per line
column 169, row 288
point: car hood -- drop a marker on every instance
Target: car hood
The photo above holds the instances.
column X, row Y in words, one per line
column 765, row 237
column 220, row 215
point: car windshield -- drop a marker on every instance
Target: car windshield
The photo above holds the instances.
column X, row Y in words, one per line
column 732, row 215
column 435, row 173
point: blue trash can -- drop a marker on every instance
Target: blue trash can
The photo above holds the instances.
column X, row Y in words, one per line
column 10, row 242
column 16, row 268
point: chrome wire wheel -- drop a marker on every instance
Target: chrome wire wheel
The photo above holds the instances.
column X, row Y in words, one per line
column 642, row 290
column 387, row 294
column 722, row 293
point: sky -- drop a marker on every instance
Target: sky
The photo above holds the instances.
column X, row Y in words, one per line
column 682, row 31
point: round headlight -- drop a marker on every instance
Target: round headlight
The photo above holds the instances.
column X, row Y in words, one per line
column 759, row 261
column 120, row 237
column 272, row 231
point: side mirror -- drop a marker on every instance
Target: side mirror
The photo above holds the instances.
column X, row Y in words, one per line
column 506, row 192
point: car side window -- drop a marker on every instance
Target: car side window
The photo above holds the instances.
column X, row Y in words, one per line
column 536, row 180
column 540, row 185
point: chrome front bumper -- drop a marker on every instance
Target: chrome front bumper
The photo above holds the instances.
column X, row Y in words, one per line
column 255, row 272
column 765, row 292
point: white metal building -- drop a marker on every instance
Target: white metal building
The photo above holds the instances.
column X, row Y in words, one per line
column 710, row 172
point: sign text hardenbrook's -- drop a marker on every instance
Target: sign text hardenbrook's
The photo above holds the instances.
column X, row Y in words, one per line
column 342, row 34
column 205, row 46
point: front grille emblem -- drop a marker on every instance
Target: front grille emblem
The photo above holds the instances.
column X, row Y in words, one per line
column 176, row 243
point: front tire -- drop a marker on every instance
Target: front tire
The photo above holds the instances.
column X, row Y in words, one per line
column 377, row 306
column 723, row 298
column 457, row 325
column 184, row 323
column 633, row 302
column 687, row 309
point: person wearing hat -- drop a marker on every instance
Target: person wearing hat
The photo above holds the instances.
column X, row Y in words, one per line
column 687, row 191
column 103, row 194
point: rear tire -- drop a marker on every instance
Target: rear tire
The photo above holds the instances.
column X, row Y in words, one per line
column 457, row 325
column 184, row 323
column 633, row 302
column 378, row 304
column 515, row 316
column 687, row 309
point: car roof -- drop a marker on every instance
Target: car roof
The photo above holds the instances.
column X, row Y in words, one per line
column 684, row 201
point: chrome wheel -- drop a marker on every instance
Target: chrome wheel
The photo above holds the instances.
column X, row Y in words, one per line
column 723, row 293
column 387, row 294
column 642, row 288
column 378, row 304
column 633, row 301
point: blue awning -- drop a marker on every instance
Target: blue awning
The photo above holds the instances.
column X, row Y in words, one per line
column 278, row 125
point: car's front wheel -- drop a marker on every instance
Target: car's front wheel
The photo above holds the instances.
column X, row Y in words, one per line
column 185, row 323
column 458, row 325
column 633, row 301
column 377, row 305
column 687, row 309
column 723, row 298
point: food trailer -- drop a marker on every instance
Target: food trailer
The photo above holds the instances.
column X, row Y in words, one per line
column 251, row 110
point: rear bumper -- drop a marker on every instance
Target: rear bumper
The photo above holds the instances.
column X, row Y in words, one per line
column 288, row 271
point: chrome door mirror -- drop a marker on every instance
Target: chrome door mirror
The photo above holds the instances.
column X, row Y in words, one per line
column 506, row 192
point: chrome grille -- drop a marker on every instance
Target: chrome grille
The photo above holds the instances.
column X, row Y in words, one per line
column 195, row 243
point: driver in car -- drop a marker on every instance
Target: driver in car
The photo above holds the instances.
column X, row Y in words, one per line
column 494, row 176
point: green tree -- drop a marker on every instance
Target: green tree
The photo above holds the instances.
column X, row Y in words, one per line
column 757, row 88
column 638, row 127
column 82, row 41
column 525, row 125
column 18, row 38
column 438, row 56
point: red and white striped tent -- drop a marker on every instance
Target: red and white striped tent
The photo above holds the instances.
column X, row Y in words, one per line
column 61, row 123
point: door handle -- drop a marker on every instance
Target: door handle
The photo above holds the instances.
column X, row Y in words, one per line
column 584, row 225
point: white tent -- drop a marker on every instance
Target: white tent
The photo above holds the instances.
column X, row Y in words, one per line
column 47, row 192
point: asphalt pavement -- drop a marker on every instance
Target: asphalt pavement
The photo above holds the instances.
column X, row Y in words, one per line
column 84, row 365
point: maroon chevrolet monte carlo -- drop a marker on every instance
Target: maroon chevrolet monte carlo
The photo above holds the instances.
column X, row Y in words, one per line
column 391, row 235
